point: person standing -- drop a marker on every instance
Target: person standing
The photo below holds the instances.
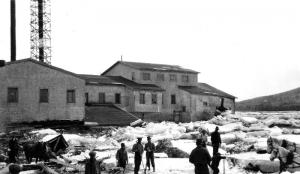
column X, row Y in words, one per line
column 13, row 146
column 150, row 148
column 122, row 157
column 216, row 141
column 203, row 136
column 200, row 157
column 215, row 163
column 92, row 166
column 138, row 150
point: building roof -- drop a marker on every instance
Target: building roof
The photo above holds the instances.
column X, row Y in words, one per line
column 152, row 67
column 109, row 115
column 205, row 89
column 43, row 64
column 118, row 80
column 99, row 80
column 134, row 85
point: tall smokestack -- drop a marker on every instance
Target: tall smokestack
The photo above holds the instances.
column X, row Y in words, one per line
column 41, row 30
column 12, row 30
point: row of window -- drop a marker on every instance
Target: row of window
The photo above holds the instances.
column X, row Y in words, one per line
column 161, row 77
column 102, row 98
column 154, row 98
column 13, row 95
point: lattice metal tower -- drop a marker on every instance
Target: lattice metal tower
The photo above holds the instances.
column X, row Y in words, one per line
column 40, row 23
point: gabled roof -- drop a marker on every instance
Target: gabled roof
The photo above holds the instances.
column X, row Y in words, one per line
column 109, row 115
column 205, row 89
column 42, row 64
column 152, row 67
column 117, row 80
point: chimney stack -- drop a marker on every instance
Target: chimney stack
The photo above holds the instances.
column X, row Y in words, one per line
column 12, row 30
column 41, row 29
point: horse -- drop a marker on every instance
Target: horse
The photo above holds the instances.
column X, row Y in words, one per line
column 37, row 150
column 292, row 164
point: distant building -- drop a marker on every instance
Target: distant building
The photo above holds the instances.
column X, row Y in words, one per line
column 183, row 98
column 35, row 91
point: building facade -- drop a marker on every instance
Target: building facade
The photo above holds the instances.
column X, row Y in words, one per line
column 35, row 91
column 182, row 93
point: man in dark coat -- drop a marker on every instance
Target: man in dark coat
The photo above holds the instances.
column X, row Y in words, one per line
column 92, row 166
column 13, row 146
column 122, row 157
column 150, row 148
column 200, row 158
column 215, row 163
column 138, row 150
column 216, row 141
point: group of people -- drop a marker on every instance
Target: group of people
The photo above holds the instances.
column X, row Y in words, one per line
column 138, row 150
column 93, row 166
column 200, row 156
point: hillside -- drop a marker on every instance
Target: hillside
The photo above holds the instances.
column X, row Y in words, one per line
column 289, row 100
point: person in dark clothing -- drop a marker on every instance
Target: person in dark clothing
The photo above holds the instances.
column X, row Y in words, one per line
column 92, row 166
column 13, row 146
column 14, row 169
column 122, row 157
column 216, row 141
column 284, row 143
column 138, row 150
column 215, row 163
column 150, row 148
column 200, row 158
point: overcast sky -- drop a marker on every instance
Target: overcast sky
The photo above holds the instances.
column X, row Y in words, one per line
column 246, row 48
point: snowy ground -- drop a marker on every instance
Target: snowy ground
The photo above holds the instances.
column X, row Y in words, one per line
column 238, row 132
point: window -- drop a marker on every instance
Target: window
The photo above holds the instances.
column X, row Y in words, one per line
column 146, row 76
column 44, row 96
column 185, row 78
column 71, row 96
column 173, row 77
column 154, row 98
column 118, row 98
column 101, row 97
column 160, row 77
column 86, row 97
column 173, row 99
column 205, row 104
column 183, row 108
column 162, row 99
column 142, row 98
column 12, row 95
column 133, row 76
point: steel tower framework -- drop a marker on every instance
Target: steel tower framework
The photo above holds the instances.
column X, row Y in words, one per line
column 40, row 35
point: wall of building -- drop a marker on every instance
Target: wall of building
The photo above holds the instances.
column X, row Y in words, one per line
column 198, row 107
column 204, row 106
column 110, row 91
column 170, row 87
column 148, row 106
column 124, row 71
column 29, row 78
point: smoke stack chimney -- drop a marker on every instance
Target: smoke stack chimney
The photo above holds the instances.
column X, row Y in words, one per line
column 41, row 29
column 12, row 30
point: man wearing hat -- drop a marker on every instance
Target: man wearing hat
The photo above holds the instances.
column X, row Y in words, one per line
column 138, row 150
column 150, row 148
column 200, row 158
column 92, row 166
